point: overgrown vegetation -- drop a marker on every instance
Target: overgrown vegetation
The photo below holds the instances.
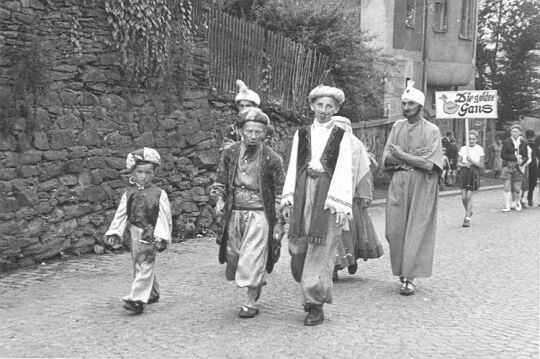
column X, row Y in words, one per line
column 332, row 28
column 153, row 38
column 508, row 55
column 18, row 99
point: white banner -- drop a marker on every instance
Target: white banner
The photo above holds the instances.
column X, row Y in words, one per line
column 466, row 104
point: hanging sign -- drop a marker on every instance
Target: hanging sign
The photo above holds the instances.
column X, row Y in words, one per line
column 466, row 104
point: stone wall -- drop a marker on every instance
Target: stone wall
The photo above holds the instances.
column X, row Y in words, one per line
column 62, row 170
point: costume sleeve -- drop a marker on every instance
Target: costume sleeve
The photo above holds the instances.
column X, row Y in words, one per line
column 278, row 178
column 290, row 180
column 163, row 229
column 219, row 188
column 119, row 223
column 340, row 193
column 391, row 139
column 434, row 146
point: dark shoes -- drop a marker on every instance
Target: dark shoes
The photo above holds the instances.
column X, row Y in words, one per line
column 335, row 276
column 153, row 300
column 137, row 306
column 315, row 314
column 352, row 268
column 248, row 312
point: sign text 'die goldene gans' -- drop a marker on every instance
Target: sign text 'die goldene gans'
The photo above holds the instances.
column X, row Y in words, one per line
column 466, row 104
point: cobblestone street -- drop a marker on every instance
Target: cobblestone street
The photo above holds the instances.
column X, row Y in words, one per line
column 482, row 302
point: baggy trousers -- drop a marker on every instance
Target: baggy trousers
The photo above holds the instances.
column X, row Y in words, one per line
column 247, row 248
column 312, row 264
column 143, row 255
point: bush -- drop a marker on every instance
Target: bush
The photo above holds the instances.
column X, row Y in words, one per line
column 332, row 28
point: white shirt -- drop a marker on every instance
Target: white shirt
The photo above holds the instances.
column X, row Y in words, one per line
column 475, row 153
column 320, row 132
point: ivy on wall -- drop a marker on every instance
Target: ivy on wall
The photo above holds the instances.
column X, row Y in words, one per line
column 18, row 97
column 147, row 34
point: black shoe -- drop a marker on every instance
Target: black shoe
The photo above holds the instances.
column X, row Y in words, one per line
column 352, row 268
column 137, row 307
column 335, row 276
column 315, row 315
column 153, row 299
column 531, row 203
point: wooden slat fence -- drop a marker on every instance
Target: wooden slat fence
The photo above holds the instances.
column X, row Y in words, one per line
column 278, row 69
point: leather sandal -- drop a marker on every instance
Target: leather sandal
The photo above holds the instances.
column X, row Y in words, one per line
column 408, row 288
column 247, row 312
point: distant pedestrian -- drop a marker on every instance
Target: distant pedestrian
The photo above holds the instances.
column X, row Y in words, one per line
column 249, row 181
column 514, row 155
column 413, row 154
column 146, row 211
column 529, row 177
column 470, row 161
column 496, row 160
column 445, row 171
column 452, row 153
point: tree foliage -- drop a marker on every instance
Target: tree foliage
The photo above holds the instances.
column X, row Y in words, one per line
column 332, row 28
column 508, row 55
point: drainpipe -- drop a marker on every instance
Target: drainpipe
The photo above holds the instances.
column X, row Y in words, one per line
column 425, row 47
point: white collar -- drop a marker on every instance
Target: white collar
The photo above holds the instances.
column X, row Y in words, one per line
column 326, row 125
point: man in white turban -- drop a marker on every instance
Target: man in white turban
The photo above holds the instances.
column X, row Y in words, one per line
column 413, row 154
column 244, row 99
column 317, row 196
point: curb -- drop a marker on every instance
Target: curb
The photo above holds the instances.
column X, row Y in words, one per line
column 454, row 192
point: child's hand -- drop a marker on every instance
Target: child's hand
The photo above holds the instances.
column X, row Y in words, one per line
column 161, row 246
column 112, row 241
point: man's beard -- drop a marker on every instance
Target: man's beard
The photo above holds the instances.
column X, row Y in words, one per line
column 413, row 115
column 251, row 150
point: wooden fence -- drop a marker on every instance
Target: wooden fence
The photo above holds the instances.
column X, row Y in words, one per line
column 375, row 133
column 278, row 69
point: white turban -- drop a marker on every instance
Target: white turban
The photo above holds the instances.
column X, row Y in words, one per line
column 145, row 154
column 246, row 94
column 327, row 91
column 412, row 94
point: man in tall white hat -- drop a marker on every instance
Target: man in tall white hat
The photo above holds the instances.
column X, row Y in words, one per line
column 317, row 197
column 413, row 154
column 244, row 99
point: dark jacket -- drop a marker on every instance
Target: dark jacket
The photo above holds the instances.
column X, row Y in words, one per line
column 508, row 151
column 271, row 183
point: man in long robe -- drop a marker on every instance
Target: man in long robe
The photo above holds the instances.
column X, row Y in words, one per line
column 413, row 153
column 317, row 197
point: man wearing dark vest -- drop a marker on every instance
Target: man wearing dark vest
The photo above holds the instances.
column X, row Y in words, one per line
column 317, row 198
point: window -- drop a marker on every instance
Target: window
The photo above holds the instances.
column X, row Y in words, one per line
column 440, row 19
column 468, row 12
column 410, row 20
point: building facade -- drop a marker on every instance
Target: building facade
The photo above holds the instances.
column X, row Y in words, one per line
column 432, row 41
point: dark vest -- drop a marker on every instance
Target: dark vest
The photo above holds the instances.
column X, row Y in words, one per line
column 330, row 154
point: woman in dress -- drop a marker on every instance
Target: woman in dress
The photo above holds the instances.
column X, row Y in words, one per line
column 470, row 160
